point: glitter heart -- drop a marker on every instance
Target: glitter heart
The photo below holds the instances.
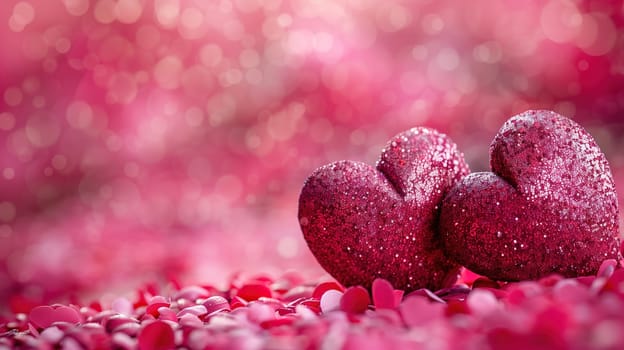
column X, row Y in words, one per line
column 362, row 223
column 548, row 206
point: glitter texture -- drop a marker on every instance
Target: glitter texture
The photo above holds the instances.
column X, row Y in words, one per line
column 548, row 206
column 362, row 223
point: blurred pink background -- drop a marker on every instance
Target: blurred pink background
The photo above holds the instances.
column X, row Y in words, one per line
column 149, row 140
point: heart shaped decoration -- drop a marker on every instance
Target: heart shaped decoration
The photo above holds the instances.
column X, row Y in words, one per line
column 363, row 223
column 548, row 206
column 45, row 316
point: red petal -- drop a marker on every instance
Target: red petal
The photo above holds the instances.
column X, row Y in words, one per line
column 312, row 304
column 398, row 297
column 284, row 321
column 324, row 287
column 152, row 309
column 355, row 300
column 454, row 307
column 252, row 292
column 156, row 336
column 237, row 302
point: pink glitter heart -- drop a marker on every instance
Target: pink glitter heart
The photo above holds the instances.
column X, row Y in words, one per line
column 548, row 206
column 362, row 223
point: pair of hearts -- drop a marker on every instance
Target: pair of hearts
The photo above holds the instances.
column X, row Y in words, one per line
column 548, row 206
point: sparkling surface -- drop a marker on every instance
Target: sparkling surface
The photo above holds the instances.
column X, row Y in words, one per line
column 362, row 223
column 548, row 206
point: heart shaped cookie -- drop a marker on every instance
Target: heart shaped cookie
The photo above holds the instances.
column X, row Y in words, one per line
column 362, row 223
column 548, row 206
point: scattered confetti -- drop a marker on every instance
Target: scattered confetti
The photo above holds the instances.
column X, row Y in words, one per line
column 541, row 314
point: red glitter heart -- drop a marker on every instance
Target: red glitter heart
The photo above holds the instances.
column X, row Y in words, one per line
column 548, row 206
column 362, row 223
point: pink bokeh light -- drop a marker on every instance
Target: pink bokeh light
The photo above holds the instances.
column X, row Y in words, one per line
column 149, row 140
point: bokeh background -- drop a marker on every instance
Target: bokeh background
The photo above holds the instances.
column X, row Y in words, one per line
column 155, row 140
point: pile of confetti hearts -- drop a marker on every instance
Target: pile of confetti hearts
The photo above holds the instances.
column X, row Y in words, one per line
column 285, row 313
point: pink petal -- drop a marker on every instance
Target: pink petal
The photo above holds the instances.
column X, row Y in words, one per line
column 157, row 335
column 115, row 321
column 383, row 294
column 587, row 280
column 122, row 306
column 417, row 311
column 275, row 303
column 216, row 303
column 197, row 310
column 398, row 297
column 191, row 293
column 52, row 335
column 259, row 312
column 355, row 300
column 570, row 291
column 123, row 341
column 550, row 280
column 44, row 316
column 165, row 313
column 607, row 268
column 482, row 302
column 130, row 329
column 191, row 320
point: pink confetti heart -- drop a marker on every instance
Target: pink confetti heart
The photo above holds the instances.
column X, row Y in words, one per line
column 362, row 223
column 548, row 206
column 45, row 316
